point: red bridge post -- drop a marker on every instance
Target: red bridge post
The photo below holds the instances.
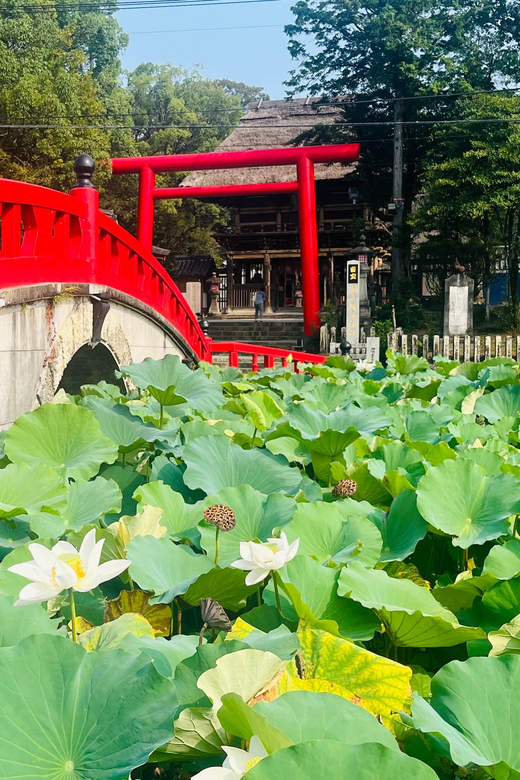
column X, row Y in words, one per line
column 84, row 167
column 145, row 208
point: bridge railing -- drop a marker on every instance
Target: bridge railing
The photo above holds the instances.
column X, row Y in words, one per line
column 50, row 237
column 271, row 355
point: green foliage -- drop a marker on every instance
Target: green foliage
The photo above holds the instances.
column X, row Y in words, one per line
column 381, row 51
column 386, row 588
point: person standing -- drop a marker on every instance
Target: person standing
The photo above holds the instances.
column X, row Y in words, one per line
column 259, row 304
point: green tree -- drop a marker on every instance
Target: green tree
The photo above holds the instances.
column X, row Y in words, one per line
column 471, row 204
column 60, row 70
column 175, row 111
column 246, row 93
column 379, row 54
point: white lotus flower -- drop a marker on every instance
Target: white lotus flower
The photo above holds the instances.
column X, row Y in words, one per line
column 261, row 559
column 365, row 365
column 65, row 567
column 237, row 763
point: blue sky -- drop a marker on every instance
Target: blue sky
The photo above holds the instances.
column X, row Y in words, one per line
column 256, row 56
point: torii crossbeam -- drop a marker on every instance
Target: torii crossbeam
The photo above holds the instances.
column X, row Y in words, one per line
column 302, row 157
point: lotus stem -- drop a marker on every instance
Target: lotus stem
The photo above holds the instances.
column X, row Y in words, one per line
column 161, row 417
column 254, row 436
column 73, row 615
column 217, row 544
column 201, row 635
column 258, row 596
column 179, row 618
column 276, row 592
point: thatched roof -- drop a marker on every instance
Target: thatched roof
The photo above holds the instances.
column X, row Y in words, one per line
column 266, row 125
column 192, row 265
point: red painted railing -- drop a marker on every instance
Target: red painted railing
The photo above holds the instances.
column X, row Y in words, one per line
column 49, row 237
column 270, row 355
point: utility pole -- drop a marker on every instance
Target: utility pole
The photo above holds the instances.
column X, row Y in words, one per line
column 397, row 192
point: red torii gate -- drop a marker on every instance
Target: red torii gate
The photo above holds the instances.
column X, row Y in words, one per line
column 303, row 157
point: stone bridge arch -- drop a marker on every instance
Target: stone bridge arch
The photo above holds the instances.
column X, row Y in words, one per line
column 44, row 329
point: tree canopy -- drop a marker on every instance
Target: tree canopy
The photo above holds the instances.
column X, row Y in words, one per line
column 374, row 52
column 63, row 92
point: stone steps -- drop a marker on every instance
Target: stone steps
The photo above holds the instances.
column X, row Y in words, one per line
column 273, row 333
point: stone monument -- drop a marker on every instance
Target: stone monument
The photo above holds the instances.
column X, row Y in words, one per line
column 214, row 292
column 458, row 305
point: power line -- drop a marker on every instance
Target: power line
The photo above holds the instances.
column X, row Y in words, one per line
column 493, row 120
column 206, row 29
column 123, row 5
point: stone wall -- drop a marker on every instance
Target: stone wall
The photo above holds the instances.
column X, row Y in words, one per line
column 41, row 328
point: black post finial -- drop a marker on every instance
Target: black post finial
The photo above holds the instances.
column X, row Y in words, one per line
column 204, row 325
column 84, row 167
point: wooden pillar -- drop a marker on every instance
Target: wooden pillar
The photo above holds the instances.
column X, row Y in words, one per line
column 308, row 245
column 267, row 283
column 230, row 284
column 331, row 277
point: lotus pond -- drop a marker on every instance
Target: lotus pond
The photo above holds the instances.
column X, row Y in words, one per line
column 273, row 575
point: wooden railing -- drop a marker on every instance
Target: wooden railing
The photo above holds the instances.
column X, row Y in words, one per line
column 272, row 356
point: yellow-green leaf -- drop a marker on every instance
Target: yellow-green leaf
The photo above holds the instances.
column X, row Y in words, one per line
column 109, row 635
column 158, row 615
column 381, row 685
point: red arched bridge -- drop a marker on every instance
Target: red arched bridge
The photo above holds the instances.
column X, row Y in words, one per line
column 71, row 277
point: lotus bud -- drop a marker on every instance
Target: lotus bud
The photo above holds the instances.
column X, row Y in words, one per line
column 345, row 487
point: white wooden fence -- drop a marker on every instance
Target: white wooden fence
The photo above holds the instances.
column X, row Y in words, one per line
column 462, row 348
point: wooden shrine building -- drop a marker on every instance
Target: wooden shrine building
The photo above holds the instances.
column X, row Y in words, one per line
column 260, row 248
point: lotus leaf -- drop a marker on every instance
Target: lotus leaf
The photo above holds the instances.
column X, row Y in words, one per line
column 504, row 402
column 87, row 502
column 312, row 589
column 378, row 684
column 261, row 409
column 165, row 568
column 340, row 762
column 475, row 706
column 327, row 534
column 411, row 615
column 137, row 601
column 17, row 623
column 401, row 528
column 166, row 654
column 120, row 425
column 280, row 641
column 458, row 497
column 171, row 382
column 55, row 728
column 65, row 437
column 231, row 466
column 503, row 561
column 227, row 586
column 245, row 672
column 243, row 721
column 109, row 635
column 27, row 488
column 303, row 716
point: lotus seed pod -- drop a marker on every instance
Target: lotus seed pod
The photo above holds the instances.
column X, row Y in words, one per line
column 222, row 516
column 345, row 487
